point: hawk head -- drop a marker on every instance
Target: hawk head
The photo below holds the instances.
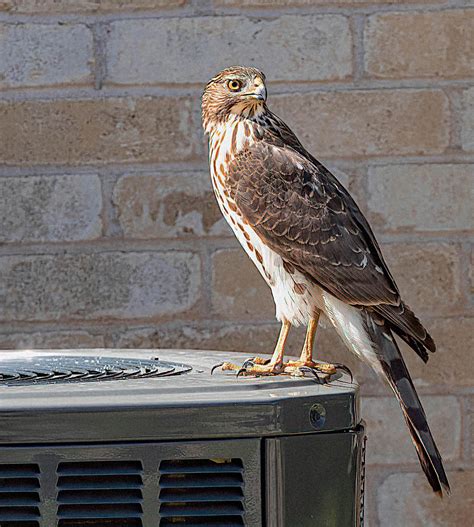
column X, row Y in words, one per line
column 236, row 90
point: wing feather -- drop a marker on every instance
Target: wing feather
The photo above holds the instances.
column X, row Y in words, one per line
column 309, row 218
column 303, row 213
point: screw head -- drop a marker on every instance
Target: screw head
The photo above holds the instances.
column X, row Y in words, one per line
column 317, row 416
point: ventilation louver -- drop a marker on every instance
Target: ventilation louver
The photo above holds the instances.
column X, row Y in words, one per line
column 100, row 494
column 202, row 493
column 19, row 495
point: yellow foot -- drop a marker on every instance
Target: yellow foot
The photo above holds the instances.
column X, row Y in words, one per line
column 323, row 367
column 299, row 367
column 255, row 366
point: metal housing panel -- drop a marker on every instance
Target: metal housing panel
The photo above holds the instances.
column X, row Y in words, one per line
column 314, row 480
column 215, row 406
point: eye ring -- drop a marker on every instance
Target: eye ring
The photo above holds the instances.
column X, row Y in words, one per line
column 234, row 84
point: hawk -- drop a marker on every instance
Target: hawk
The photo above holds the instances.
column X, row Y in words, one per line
column 312, row 246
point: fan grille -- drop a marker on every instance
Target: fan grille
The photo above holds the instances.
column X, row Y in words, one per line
column 57, row 368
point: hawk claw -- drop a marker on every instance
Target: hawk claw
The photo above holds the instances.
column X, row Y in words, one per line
column 243, row 369
column 343, row 367
column 257, row 368
column 247, row 363
column 323, row 371
column 253, row 366
column 214, row 368
column 319, row 379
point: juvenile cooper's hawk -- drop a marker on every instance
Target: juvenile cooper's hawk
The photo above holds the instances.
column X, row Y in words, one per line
column 312, row 245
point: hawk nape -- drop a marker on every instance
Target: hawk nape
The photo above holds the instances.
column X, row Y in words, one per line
column 312, row 245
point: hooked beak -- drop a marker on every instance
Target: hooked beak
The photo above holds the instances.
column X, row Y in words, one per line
column 259, row 93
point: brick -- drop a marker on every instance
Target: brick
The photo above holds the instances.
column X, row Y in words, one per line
column 50, row 208
column 168, row 206
column 244, row 338
column 251, row 339
column 470, row 418
column 367, row 123
column 406, row 499
column 99, row 131
column 421, row 197
column 467, row 121
column 238, row 290
column 388, row 437
column 97, row 286
column 51, row 340
column 309, row 48
column 431, row 44
column 45, row 55
column 307, row 3
column 428, row 276
column 471, row 271
column 448, row 366
column 55, row 7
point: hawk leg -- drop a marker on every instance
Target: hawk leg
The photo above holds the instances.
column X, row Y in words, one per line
column 306, row 362
column 259, row 366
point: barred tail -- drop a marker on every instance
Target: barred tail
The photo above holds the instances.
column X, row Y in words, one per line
column 394, row 369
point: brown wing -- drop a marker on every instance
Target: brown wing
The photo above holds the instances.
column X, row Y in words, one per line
column 304, row 214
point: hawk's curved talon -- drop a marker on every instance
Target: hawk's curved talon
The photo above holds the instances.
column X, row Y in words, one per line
column 343, row 367
column 320, row 379
column 254, row 366
column 243, row 369
column 225, row 366
column 247, row 363
column 214, row 368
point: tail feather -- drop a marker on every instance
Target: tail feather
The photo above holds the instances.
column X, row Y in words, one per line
column 406, row 325
column 395, row 371
column 415, row 345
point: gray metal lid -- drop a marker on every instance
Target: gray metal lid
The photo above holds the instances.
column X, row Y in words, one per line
column 164, row 406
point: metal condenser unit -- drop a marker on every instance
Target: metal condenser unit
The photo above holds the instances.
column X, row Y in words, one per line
column 148, row 438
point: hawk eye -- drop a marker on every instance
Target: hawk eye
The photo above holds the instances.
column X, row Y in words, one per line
column 234, row 85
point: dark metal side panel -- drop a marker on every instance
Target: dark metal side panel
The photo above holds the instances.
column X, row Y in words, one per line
column 313, row 480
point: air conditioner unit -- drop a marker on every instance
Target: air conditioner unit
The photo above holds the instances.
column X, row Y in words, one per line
column 148, row 438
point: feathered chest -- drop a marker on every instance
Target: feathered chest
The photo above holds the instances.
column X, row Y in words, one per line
column 226, row 141
column 293, row 296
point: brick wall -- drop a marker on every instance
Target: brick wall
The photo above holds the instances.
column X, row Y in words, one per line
column 110, row 235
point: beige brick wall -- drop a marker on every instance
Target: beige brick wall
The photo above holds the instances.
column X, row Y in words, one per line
column 110, row 235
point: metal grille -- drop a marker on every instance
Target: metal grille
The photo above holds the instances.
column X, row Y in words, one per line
column 202, row 493
column 100, row 494
column 19, row 495
column 57, row 368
